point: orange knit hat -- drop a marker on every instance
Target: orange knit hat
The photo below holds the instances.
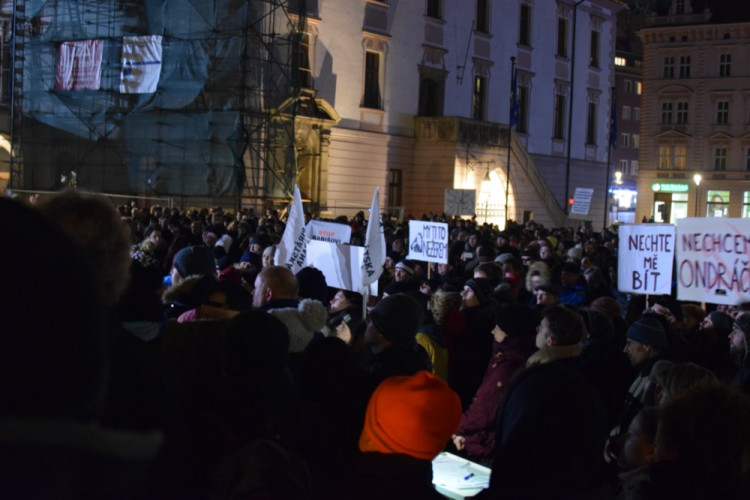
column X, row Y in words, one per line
column 413, row 415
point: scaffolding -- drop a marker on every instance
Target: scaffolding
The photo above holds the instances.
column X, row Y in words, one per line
column 219, row 127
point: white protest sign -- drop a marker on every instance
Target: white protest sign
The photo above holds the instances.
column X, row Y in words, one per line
column 645, row 258
column 582, row 201
column 713, row 260
column 340, row 264
column 428, row 241
column 328, row 231
column 460, row 201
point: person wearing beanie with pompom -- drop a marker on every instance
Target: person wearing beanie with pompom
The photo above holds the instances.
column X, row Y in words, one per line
column 391, row 337
column 514, row 333
column 409, row 420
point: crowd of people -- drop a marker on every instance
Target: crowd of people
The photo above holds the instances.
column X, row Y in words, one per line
column 161, row 353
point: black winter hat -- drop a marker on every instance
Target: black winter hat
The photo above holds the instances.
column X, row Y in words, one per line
column 255, row 343
column 517, row 320
column 482, row 288
column 722, row 322
column 195, row 260
column 397, row 317
column 312, row 284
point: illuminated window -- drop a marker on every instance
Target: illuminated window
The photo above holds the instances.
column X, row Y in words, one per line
column 478, row 98
column 718, row 203
column 620, row 61
column 672, row 157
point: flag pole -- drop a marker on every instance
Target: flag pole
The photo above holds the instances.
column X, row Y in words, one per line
column 512, row 118
column 612, row 141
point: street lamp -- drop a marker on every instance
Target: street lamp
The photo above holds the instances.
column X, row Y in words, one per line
column 697, row 178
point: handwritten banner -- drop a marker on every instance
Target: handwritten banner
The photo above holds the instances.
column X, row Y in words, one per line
column 428, row 241
column 645, row 258
column 713, row 260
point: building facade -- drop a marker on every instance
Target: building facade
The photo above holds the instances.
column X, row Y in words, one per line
column 422, row 91
column 695, row 126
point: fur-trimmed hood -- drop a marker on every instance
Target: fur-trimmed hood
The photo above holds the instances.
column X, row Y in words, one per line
column 309, row 317
column 190, row 291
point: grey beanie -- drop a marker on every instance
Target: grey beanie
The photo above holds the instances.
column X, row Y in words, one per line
column 648, row 331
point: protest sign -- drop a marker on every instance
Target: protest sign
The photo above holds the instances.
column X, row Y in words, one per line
column 582, row 201
column 713, row 260
column 331, row 232
column 340, row 264
column 428, row 241
column 645, row 258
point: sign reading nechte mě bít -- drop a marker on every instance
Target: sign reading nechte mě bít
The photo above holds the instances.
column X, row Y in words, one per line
column 645, row 258
column 713, row 260
column 428, row 241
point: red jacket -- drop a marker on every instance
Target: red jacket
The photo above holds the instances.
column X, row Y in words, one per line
column 478, row 421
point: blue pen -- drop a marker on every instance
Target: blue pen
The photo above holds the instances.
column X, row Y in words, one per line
column 469, row 476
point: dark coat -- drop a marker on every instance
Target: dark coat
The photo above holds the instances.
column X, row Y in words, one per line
column 406, row 358
column 550, row 436
column 378, row 476
column 472, row 350
column 478, row 421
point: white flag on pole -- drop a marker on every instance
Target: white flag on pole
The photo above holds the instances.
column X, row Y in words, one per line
column 374, row 256
column 292, row 249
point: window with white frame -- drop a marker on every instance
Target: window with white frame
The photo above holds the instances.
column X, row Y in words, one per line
column 628, row 86
column 672, row 157
column 636, row 113
column 666, row 113
column 725, row 64
column 624, row 167
column 682, row 113
column 720, row 158
column 634, row 167
column 669, row 67
column 746, row 204
column 684, row 66
column 626, row 112
column 722, row 112
column 636, row 140
column 638, row 87
column 747, row 159
column 625, row 140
